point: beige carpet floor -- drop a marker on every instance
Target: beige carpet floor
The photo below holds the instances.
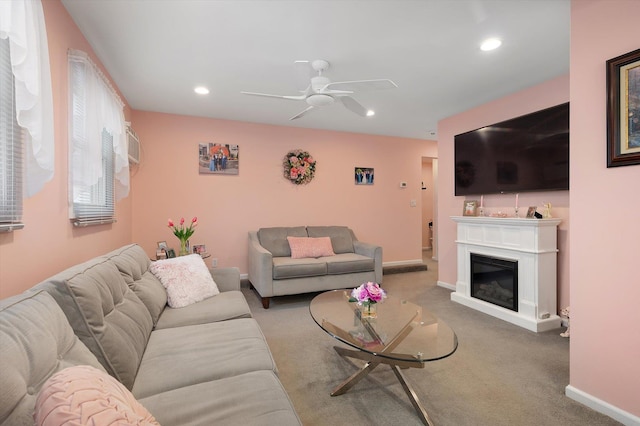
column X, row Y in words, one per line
column 501, row 374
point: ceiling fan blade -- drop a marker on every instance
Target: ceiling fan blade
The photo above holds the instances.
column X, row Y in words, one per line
column 353, row 105
column 301, row 113
column 291, row 98
column 358, row 85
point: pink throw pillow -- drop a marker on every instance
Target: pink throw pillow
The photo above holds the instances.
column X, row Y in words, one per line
column 310, row 247
column 84, row 395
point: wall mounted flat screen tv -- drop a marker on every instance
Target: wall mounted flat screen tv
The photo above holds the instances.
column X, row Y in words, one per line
column 523, row 154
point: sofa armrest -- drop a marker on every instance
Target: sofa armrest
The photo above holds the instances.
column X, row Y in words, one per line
column 227, row 279
column 373, row 251
column 260, row 266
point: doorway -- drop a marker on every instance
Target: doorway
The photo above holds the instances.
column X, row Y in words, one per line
column 429, row 205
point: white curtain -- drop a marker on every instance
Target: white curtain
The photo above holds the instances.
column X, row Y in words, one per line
column 101, row 109
column 22, row 21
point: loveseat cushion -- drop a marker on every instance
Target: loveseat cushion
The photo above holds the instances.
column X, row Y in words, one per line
column 133, row 263
column 286, row 267
column 225, row 306
column 105, row 314
column 341, row 237
column 255, row 398
column 275, row 239
column 183, row 356
column 347, row 263
column 36, row 342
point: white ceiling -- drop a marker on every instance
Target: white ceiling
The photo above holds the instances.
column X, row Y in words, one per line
column 157, row 51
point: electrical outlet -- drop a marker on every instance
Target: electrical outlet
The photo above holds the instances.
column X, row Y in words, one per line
column 214, row 262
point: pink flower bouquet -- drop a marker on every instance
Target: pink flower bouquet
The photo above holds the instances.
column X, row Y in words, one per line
column 368, row 293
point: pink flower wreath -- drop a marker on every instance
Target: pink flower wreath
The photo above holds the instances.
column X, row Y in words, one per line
column 299, row 167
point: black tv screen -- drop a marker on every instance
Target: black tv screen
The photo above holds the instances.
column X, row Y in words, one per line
column 527, row 153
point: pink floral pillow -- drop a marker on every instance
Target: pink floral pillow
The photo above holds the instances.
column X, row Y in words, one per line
column 310, row 247
column 84, row 395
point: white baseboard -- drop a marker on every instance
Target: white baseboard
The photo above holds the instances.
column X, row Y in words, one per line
column 601, row 406
column 446, row 285
column 244, row 276
column 403, row 263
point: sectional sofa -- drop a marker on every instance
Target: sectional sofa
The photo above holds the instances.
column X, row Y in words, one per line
column 203, row 364
column 304, row 259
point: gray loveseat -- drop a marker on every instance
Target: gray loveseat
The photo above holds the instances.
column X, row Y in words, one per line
column 273, row 272
column 204, row 364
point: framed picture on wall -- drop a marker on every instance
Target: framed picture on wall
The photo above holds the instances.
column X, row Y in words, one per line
column 470, row 208
column 218, row 159
column 623, row 110
column 363, row 175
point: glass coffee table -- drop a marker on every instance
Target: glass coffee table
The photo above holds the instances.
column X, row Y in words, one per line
column 403, row 335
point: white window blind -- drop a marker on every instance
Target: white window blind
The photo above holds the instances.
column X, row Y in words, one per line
column 11, row 141
column 96, row 134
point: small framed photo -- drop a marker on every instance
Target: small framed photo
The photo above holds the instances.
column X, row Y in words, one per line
column 531, row 212
column 170, row 253
column 199, row 248
column 363, row 175
column 162, row 244
column 470, row 208
column 161, row 254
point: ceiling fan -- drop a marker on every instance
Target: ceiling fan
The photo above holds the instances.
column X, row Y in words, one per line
column 321, row 91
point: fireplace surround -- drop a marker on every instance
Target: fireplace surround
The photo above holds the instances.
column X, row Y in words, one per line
column 528, row 244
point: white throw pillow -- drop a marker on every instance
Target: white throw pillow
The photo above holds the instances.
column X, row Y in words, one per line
column 186, row 279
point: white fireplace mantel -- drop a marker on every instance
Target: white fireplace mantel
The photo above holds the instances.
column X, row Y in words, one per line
column 530, row 242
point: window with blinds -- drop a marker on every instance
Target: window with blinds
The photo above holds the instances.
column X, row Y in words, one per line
column 91, row 183
column 11, row 141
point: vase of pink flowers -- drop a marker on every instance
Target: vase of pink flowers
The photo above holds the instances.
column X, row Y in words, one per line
column 183, row 233
column 368, row 295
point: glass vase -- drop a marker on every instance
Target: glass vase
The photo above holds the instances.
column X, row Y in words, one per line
column 369, row 310
column 184, row 248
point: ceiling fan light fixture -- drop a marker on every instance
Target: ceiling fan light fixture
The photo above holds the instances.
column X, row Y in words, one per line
column 201, row 90
column 490, row 44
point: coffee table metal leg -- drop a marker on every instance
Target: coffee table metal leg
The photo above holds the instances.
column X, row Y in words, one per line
column 422, row 413
column 354, row 379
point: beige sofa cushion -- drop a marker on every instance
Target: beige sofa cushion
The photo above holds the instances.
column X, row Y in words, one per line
column 275, row 239
column 347, row 263
column 105, row 314
column 225, row 306
column 183, row 356
column 341, row 237
column 133, row 263
column 256, row 398
column 286, row 267
column 36, row 341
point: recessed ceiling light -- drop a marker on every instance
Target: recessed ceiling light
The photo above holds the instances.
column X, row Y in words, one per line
column 371, row 113
column 201, row 90
column 490, row 44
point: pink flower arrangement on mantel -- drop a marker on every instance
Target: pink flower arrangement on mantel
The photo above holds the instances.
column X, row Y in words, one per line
column 368, row 293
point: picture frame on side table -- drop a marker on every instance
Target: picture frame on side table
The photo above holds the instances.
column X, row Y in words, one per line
column 470, row 208
column 162, row 244
column 623, row 110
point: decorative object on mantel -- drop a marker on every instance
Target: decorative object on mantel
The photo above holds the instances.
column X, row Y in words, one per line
column 470, row 208
column 299, row 167
column 516, row 208
column 623, row 101
column 565, row 313
column 531, row 212
column 547, row 210
column 498, row 214
column 367, row 295
column 183, row 233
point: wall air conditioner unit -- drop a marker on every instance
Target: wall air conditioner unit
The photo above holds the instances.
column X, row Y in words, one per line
column 133, row 145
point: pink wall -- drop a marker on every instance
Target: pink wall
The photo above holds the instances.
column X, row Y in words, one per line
column 605, row 231
column 48, row 243
column 547, row 94
column 168, row 185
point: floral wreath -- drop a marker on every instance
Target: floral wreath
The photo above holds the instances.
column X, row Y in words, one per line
column 299, row 167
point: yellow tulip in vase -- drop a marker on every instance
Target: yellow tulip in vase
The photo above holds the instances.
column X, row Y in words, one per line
column 183, row 233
